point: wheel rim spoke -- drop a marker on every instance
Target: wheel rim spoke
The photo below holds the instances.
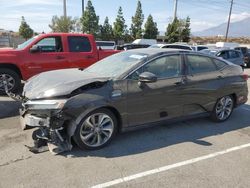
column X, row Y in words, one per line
column 108, row 128
column 99, row 139
column 88, row 136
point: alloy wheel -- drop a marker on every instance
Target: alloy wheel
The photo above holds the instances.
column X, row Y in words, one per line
column 9, row 80
column 97, row 129
column 224, row 108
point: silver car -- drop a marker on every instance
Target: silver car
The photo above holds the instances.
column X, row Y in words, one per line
column 233, row 56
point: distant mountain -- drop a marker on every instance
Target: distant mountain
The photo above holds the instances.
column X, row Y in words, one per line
column 237, row 29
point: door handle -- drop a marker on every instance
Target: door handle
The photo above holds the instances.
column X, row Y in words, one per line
column 60, row 57
column 219, row 77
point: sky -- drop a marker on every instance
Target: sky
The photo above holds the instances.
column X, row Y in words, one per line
column 203, row 13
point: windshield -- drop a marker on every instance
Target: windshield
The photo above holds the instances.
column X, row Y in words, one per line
column 26, row 43
column 117, row 64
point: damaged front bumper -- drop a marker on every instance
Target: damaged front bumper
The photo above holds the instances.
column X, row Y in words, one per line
column 52, row 126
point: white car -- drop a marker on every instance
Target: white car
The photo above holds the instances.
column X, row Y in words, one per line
column 175, row 46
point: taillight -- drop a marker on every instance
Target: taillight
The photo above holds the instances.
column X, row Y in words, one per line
column 244, row 76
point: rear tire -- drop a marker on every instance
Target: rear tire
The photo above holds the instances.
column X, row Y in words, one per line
column 13, row 81
column 223, row 109
column 96, row 130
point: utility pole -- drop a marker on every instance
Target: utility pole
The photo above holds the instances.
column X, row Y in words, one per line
column 82, row 7
column 64, row 9
column 229, row 18
column 175, row 8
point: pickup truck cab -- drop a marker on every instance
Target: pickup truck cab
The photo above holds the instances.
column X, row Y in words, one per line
column 47, row 52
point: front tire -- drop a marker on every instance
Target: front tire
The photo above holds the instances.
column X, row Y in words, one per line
column 13, row 81
column 223, row 109
column 96, row 130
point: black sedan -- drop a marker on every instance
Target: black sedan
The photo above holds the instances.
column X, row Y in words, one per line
column 128, row 90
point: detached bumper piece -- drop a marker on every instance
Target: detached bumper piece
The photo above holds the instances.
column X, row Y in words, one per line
column 49, row 135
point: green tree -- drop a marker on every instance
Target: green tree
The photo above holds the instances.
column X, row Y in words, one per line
column 62, row 24
column 151, row 30
column 178, row 30
column 24, row 30
column 137, row 21
column 120, row 28
column 106, row 31
column 89, row 20
column 185, row 35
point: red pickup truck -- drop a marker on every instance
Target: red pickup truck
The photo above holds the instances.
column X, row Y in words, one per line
column 47, row 52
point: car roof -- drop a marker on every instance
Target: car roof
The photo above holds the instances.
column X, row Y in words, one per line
column 154, row 51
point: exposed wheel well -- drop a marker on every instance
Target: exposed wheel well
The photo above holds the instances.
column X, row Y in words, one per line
column 11, row 67
column 234, row 98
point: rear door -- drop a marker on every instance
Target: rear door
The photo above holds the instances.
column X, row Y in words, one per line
column 81, row 53
column 150, row 102
column 204, row 83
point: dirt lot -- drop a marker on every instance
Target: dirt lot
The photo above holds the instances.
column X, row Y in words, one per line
column 195, row 153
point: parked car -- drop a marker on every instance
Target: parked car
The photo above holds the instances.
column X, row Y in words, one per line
column 199, row 48
column 47, row 52
column 145, row 41
column 233, row 56
column 126, row 91
column 157, row 45
column 131, row 46
column 106, row 45
column 176, row 46
column 246, row 55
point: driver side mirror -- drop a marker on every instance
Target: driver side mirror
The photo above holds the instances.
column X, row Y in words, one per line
column 147, row 77
column 35, row 49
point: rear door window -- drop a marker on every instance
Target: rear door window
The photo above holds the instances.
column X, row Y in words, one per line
column 200, row 64
column 79, row 44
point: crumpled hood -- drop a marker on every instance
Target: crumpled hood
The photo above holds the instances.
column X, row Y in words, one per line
column 58, row 83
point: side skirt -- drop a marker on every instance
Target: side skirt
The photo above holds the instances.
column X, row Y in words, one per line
column 174, row 120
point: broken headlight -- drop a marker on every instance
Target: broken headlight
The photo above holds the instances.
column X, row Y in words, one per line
column 45, row 104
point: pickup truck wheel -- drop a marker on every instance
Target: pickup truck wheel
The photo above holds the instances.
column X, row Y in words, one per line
column 12, row 78
column 96, row 130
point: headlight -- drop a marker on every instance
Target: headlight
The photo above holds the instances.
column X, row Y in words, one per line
column 45, row 104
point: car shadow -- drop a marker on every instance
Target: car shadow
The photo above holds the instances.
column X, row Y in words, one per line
column 9, row 108
column 157, row 137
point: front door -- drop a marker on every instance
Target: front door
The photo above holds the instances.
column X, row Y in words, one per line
column 51, row 56
column 151, row 102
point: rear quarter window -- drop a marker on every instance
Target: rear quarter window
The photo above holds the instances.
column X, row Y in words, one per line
column 219, row 64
